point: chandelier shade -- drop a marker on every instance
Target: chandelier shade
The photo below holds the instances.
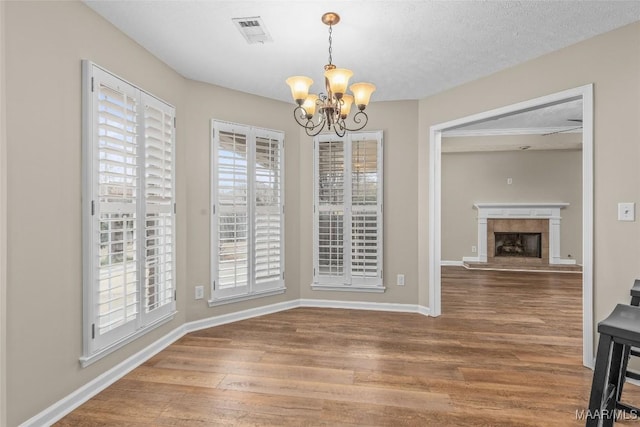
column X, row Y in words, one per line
column 309, row 105
column 362, row 93
column 338, row 79
column 347, row 101
column 299, row 87
column 332, row 108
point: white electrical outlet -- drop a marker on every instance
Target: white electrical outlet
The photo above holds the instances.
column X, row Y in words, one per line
column 509, row 181
column 474, row 249
column 199, row 292
column 626, row 211
column 400, row 280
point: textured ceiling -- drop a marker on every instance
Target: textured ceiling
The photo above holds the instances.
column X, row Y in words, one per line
column 408, row 49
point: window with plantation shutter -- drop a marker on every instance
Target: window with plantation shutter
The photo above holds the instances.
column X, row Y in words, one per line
column 247, row 220
column 128, row 209
column 348, row 212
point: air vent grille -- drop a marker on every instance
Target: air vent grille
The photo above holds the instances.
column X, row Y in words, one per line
column 252, row 29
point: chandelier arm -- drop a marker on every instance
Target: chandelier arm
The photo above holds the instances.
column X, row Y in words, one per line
column 299, row 114
column 341, row 127
column 320, row 129
column 357, row 120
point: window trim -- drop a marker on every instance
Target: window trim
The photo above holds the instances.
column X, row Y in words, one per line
column 253, row 290
column 347, row 282
column 94, row 349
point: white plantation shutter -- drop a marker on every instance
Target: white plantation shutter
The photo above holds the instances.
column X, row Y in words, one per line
column 330, row 230
column 128, row 215
column 115, row 209
column 348, row 211
column 268, row 236
column 247, row 212
column 230, row 184
column 159, row 207
column 366, row 209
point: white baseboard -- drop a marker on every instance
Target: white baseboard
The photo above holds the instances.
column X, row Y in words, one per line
column 425, row 311
column 565, row 261
column 240, row 315
column 64, row 406
column 470, row 259
column 360, row 305
column 451, row 263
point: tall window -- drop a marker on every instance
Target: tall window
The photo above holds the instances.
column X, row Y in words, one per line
column 247, row 213
column 129, row 261
column 348, row 212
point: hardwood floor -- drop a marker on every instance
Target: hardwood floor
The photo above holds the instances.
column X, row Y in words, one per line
column 506, row 352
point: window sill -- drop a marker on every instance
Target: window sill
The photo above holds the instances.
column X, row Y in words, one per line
column 348, row 288
column 229, row 300
column 89, row 359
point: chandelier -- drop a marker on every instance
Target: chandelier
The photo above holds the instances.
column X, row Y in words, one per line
column 333, row 107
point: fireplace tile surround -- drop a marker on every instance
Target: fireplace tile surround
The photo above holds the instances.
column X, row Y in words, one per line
column 517, row 225
column 541, row 218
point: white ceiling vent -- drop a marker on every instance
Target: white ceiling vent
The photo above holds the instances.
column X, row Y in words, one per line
column 253, row 29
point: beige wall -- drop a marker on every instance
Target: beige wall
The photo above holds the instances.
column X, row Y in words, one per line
column 537, row 176
column 46, row 42
column 612, row 63
column 3, row 225
column 398, row 120
column 45, row 45
column 205, row 102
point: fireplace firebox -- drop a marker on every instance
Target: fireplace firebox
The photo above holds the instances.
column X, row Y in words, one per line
column 510, row 244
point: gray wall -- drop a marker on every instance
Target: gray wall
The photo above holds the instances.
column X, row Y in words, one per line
column 537, row 176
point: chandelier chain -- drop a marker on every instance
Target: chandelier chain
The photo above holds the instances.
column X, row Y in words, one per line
column 330, row 49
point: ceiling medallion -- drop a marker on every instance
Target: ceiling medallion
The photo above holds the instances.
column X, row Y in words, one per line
column 333, row 107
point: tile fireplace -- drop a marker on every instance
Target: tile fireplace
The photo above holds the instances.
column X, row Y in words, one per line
column 520, row 233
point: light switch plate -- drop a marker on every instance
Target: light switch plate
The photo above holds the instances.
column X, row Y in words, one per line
column 626, row 211
column 199, row 292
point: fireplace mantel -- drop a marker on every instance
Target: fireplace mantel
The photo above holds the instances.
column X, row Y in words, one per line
column 550, row 211
column 519, row 210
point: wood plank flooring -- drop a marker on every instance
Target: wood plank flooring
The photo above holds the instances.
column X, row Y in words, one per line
column 506, row 352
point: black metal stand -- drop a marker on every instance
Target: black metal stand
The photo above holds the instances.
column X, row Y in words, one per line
column 618, row 333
